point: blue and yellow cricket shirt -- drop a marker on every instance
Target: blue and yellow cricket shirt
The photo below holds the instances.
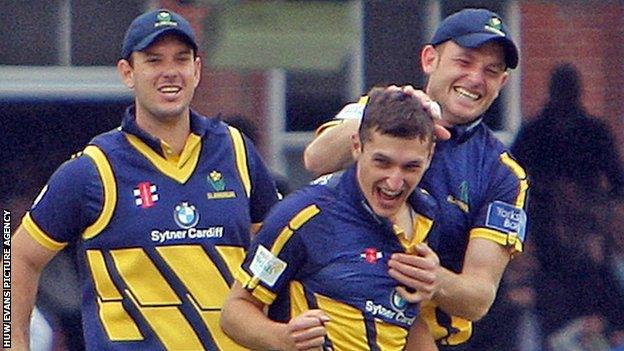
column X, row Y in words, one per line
column 481, row 192
column 159, row 237
column 323, row 247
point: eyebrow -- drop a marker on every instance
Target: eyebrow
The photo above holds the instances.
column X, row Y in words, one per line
column 378, row 155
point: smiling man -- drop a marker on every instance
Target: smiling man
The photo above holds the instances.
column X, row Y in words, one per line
column 161, row 208
column 320, row 260
column 481, row 190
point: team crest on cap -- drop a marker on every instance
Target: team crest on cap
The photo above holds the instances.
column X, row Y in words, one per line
column 216, row 180
column 185, row 215
column 164, row 19
column 495, row 25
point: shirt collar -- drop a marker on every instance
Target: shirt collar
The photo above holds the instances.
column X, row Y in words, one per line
column 350, row 190
column 199, row 126
column 462, row 132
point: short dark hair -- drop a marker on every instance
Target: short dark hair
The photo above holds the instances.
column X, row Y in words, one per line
column 395, row 113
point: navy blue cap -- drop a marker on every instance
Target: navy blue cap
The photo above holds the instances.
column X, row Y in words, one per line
column 471, row 28
column 146, row 28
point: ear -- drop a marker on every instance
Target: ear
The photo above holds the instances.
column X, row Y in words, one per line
column 429, row 58
column 431, row 151
column 126, row 72
column 504, row 78
column 502, row 82
column 197, row 74
column 356, row 146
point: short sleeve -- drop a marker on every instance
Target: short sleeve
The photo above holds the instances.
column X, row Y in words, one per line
column 68, row 203
column 503, row 217
column 278, row 251
column 351, row 111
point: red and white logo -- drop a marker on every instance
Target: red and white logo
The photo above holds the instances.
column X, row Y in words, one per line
column 371, row 255
column 145, row 194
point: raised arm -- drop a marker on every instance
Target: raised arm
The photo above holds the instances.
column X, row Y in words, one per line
column 28, row 260
column 243, row 320
column 469, row 294
column 330, row 151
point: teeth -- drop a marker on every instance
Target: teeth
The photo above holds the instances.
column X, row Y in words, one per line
column 466, row 93
column 390, row 193
column 169, row 89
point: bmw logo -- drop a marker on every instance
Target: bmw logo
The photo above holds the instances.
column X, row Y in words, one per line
column 186, row 215
column 398, row 302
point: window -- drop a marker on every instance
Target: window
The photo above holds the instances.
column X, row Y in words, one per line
column 312, row 53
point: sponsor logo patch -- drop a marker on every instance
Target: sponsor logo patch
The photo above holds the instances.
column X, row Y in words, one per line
column 506, row 218
column 322, row 180
column 160, row 237
column 462, row 205
column 354, row 110
column 371, row 255
column 216, row 180
column 463, row 202
column 186, row 215
column 396, row 311
column 145, row 194
column 398, row 302
column 266, row 267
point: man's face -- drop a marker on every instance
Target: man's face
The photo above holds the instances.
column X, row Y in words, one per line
column 164, row 77
column 389, row 168
column 464, row 81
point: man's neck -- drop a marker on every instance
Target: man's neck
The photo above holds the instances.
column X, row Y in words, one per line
column 404, row 219
column 173, row 131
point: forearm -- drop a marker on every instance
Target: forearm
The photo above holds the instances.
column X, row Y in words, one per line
column 331, row 150
column 28, row 261
column 471, row 293
column 464, row 296
column 24, row 282
column 255, row 331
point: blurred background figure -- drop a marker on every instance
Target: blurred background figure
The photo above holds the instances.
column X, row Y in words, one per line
column 577, row 182
column 565, row 143
column 582, row 334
